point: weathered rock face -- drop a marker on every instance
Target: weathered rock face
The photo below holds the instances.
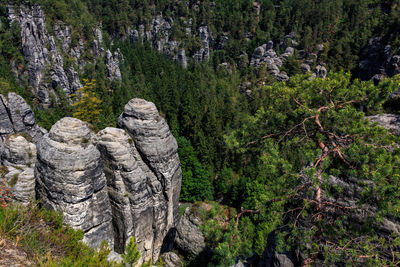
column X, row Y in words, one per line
column 16, row 116
column 159, row 36
column 18, row 157
column 43, row 54
column 207, row 40
column 138, row 206
column 189, row 238
column 170, row 259
column 70, row 178
column 112, row 65
column 379, row 61
column 389, row 121
column 158, row 149
column 40, row 50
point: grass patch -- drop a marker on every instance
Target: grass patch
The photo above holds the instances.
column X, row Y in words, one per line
column 14, row 180
column 47, row 242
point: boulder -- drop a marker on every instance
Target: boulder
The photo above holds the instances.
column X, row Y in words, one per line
column 170, row 259
column 189, row 239
column 16, row 116
column 391, row 122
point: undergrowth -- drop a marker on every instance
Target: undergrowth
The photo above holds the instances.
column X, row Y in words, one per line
column 47, row 242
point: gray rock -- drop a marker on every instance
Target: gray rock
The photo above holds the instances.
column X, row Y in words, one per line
column 138, row 205
column 19, row 157
column 114, row 257
column 189, row 238
column 282, row 76
column 43, row 59
column 181, row 57
column 158, row 150
column 378, row 60
column 5, row 122
column 112, row 65
column 289, row 50
column 171, row 259
column 16, row 116
column 70, row 178
column 390, row 122
column 305, row 68
column 206, row 40
column 270, row 45
column 320, row 72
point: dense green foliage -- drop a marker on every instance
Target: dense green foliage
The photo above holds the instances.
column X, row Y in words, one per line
column 343, row 26
column 304, row 132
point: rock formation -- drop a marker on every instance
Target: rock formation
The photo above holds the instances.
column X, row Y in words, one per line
column 17, row 158
column 189, row 239
column 265, row 54
column 389, row 121
column 40, row 50
column 379, row 61
column 112, row 65
column 45, row 54
column 158, row 149
column 206, row 39
column 170, row 259
column 16, row 116
column 118, row 184
column 138, row 205
column 157, row 158
column 70, row 178
column 159, row 36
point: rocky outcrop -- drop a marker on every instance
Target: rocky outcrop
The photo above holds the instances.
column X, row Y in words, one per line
column 320, row 72
column 170, row 259
column 43, row 60
column 137, row 202
column 70, row 178
column 159, row 35
column 189, row 239
column 16, row 116
column 390, row 122
column 112, row 65
column 379, row 61
column 44, row 54
column 158, row 148
column 157, row 157
column 266, row 55
column 206, row 40
column 18, row 157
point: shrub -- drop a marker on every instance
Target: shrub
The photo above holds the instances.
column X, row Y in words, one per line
column 132, row 253
column 5, row 193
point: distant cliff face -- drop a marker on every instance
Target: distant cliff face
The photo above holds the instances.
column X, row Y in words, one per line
column 45, row 54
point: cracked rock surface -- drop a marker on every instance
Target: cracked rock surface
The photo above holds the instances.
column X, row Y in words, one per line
column 70, row 178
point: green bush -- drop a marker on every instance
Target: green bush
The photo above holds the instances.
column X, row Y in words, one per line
column 132, row 253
